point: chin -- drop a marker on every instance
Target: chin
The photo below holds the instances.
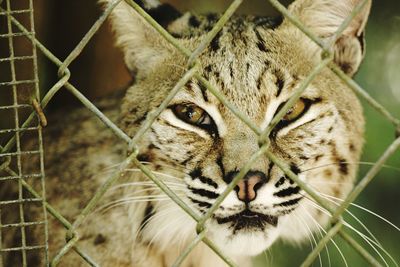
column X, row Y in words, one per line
column 246, row 241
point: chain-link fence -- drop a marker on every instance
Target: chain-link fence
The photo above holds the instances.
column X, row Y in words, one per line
column 28, row 118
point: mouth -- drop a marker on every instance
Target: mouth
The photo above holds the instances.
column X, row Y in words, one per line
column 248, row 220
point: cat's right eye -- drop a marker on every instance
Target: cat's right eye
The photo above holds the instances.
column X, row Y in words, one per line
column 192, row 114
column 296, row 111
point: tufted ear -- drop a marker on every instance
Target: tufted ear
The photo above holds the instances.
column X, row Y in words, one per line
column 324, row 17
column 142, row 45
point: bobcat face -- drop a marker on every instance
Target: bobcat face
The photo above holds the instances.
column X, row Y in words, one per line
column 257, row 64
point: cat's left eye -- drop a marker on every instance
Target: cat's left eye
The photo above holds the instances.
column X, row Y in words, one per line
column 294, row 113
column 191, row 114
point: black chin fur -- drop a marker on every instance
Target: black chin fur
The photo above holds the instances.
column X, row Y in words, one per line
column 248, row 220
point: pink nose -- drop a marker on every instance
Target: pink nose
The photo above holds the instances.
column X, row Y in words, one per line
column 247, row 188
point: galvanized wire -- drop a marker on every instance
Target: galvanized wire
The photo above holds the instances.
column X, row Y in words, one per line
column 14, row 158
column 192, row 73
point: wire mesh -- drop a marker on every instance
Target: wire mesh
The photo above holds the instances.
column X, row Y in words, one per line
column 19, row 81
column 25, row 109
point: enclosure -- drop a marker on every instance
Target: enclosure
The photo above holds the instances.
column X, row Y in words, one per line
column 57, row 54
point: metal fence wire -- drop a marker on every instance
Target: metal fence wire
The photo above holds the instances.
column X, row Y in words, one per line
column 27, row 103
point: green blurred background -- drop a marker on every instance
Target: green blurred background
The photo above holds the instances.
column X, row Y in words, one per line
column 99, row 70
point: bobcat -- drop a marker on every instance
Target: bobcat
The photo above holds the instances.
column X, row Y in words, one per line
column 197, row 145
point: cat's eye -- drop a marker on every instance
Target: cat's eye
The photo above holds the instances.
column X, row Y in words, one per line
column 295, row 111
column 192, row 114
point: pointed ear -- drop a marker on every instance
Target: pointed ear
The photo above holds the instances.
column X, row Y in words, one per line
column 142, row 45
column 324, row 17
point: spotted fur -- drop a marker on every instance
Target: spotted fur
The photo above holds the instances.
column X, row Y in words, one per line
column 256, row 63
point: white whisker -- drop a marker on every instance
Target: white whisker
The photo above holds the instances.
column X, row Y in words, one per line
column 374, row 240
column 106, row 170
column 318, row 227
column 333, row 242
column 365, row 209
column 333, row 183
column 164, row 175
column 374, row 245
column 311, row 235
column 159, row 213
column 113, row 166
column 133, row 199
column 149, row 185
column 351, row 163
column 166, row 226
column 166, row 166
column 354, row 217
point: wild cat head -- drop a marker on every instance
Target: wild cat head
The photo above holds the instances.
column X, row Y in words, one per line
column 256, row 63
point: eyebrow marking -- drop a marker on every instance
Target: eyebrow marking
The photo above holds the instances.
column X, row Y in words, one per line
column 203, row 90
column 190, row 87
column 261, row 42
column 280, row 81
column 262, row 74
